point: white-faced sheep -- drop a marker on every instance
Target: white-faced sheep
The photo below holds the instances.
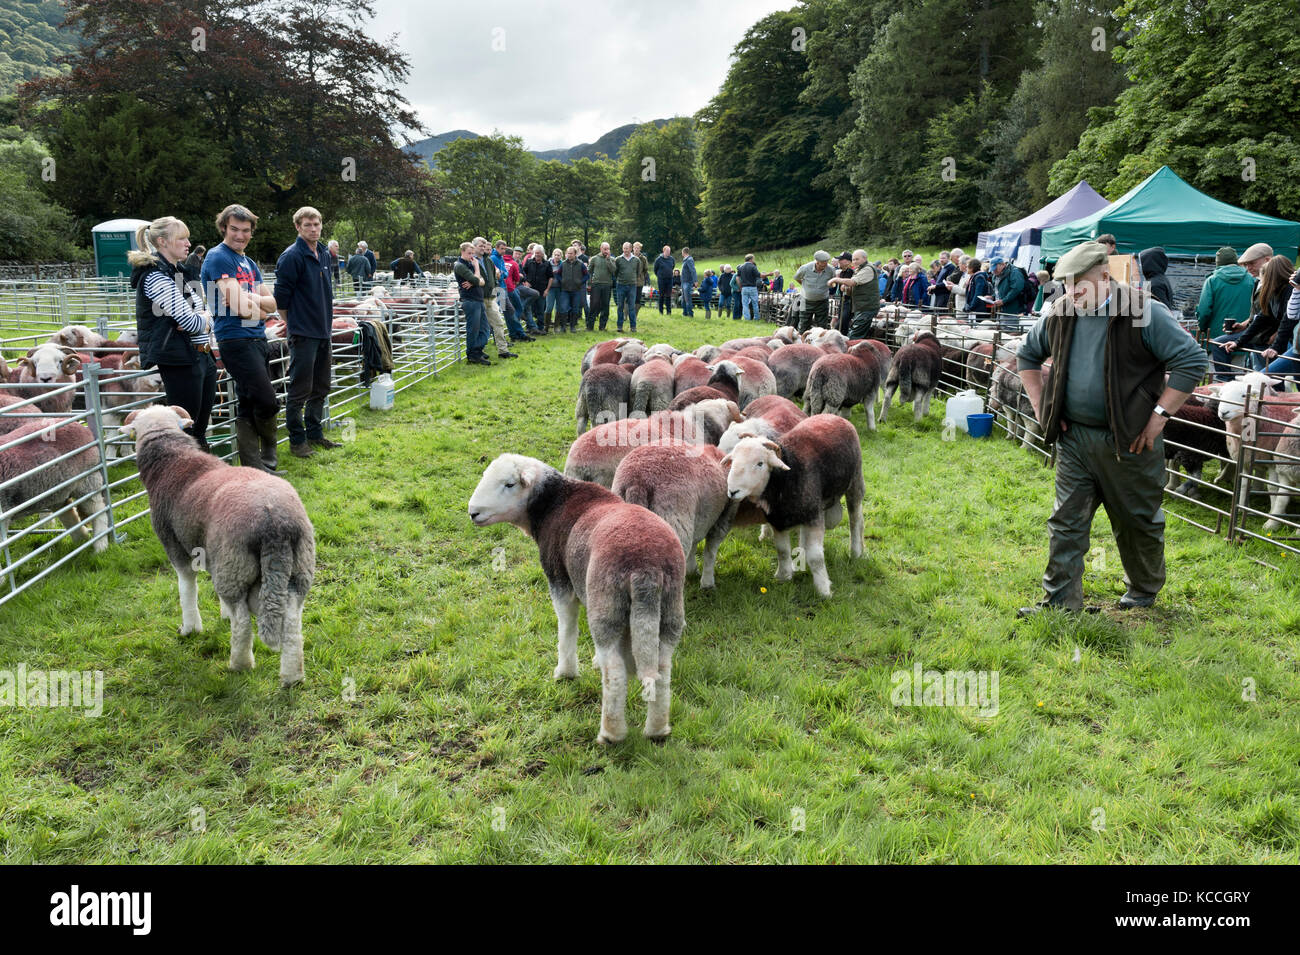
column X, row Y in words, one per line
column 652, row 386
column 827, row 339
column 838, row 382
column 914, row 374
column 686, row 485
column 1007, row 395
column 790, row 366
column 604, row 395
column 708, row 353
column 79, row 338
column 782, row 412
column 48, row 368
column 788, row 334
column 596, row 455
column 751, row 379
column 689, row 372
column 614, row 352
column 1277, row 411
column 620, row 561
column 250, row 530
column 798, row 482
column 29, row 456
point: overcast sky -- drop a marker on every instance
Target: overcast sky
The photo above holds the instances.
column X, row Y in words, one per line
column 570, row 70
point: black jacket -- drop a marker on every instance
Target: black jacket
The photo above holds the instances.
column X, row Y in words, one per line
column 162, row 341
column 1154, row 263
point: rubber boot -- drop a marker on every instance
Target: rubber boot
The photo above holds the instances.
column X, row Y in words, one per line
column 266, row 435
column 248, row 445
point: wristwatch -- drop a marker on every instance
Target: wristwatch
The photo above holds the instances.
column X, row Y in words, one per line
column 1162, row 412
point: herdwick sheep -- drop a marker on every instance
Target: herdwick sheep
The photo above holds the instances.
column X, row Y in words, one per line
column 1202, row 435
column 787, row 334
column 595, row 456
column 751, row 379
column 35, row 443
column 661, row 350
column 612, row 352
column 736, row 344
column 915, row 374
column 78, row 338
column 758, row 353
column 798, row 482
column 46, row 368
column 1284, row 469
column 688, row 372
column 838, row 382
column 11, row 419
column 249, row 531
column 620, row 561
column 980, row 362
column 771, row 416
column 1264, row 403
column 686, row 485
column 790, row 366
column 652, row 386
column 702, row 393
column 827, row 339
column 603, row 395
column 1007, row 394
column 878, row 350
column 708, row 353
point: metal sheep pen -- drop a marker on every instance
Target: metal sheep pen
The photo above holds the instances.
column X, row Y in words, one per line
column 426, row 337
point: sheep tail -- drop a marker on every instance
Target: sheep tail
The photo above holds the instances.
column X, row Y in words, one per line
column 646, row 590
column 277, row 566
column 905, row 380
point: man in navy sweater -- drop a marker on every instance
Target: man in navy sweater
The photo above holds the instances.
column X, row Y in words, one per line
column 304, row 295
column 663, row 269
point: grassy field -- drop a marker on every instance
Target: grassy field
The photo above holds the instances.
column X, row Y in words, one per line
column 429, row 728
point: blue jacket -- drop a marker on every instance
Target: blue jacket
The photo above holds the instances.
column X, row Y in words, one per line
column 916, row 292
column 303, row 290
column 896, row 293
column 688, row 272
column 663, row 268
column 707, row 285
column 978, row 285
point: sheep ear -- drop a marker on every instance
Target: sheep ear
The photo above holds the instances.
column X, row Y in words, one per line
column 182, row 414
column 773, row 447
column 32, row 351
column 733, row 410
column 726, row 461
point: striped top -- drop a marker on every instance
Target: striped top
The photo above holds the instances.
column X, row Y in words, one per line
column 184, row 306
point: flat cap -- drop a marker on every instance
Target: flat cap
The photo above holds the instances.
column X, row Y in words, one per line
column 1080, row 259
column 1260, row 250
column 821, row 255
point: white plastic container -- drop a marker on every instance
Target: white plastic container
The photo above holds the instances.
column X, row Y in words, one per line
column 960, row 405
column 382, row 393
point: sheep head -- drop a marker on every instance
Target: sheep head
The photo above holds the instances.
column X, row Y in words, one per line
column 503, row 491
column 1232, row 394
column 49, row 363
column 144, row 421
column 750, row 465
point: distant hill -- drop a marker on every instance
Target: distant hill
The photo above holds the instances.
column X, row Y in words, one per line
column 608, row 144
column 30, row 41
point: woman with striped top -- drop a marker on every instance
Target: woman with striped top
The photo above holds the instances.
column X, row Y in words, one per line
column 174, row 327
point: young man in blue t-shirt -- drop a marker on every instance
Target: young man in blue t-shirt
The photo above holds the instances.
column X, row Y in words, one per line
column 240, row 304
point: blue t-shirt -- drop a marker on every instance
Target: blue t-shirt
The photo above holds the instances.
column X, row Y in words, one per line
column 223, row 262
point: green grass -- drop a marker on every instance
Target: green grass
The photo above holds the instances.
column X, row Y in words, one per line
column 781, row 702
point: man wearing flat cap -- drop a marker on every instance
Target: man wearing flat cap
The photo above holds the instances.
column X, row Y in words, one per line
column 815, row 277
column 1104, row 408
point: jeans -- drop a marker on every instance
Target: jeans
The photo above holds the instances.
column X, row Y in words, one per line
column 194, row 388
column 552, row 302
column 688, row 301
column 749, row 302
column 528, row 297
column 310, row 361
column 1287, row 363
column 724, row 303
column 737, row 303
column 570, row 307
column 625, row 296
column 599, row 307
column 476, row 327
column 249, row 365
column 665, row 296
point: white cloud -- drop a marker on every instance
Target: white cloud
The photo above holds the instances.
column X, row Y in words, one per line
column 570, row 70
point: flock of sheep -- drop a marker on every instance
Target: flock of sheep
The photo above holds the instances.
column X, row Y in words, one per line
column 674, row 449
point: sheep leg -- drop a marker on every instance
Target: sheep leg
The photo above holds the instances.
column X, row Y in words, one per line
column 70, row 519
column 291, row 663
column 1279, row 504
column 884, row 408
column 99, row 523
column 565, row 603
column 712, row 541
column 188, row 584
column 613, row 700
column 832, row 515
column 854, row 500
column 656, row 717
column 241, row 635
column 816, row 554
column 870, row 406
column 784, row 567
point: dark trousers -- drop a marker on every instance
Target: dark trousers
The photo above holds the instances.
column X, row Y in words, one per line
column 1131, row 489
column 310, row 361
column 194, row 388
column 248, row 363
column 814, row 313
column 665, row 297
column 599, row 307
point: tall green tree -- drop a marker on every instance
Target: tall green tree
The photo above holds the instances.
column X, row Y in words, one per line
column 486, row 183
column 660, row 179
column 1215, row 95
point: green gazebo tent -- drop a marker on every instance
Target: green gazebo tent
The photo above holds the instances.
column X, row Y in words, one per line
column 1164, row 210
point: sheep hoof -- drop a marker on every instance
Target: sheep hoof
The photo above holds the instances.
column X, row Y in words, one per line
column 658, row 737
column 604, row 739
column 708, row 584
column 785, row 573
column 565, row 673
column 185, row 630
column 287, row 681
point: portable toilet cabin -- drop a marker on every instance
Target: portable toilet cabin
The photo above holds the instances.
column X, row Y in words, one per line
column 113, row 240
